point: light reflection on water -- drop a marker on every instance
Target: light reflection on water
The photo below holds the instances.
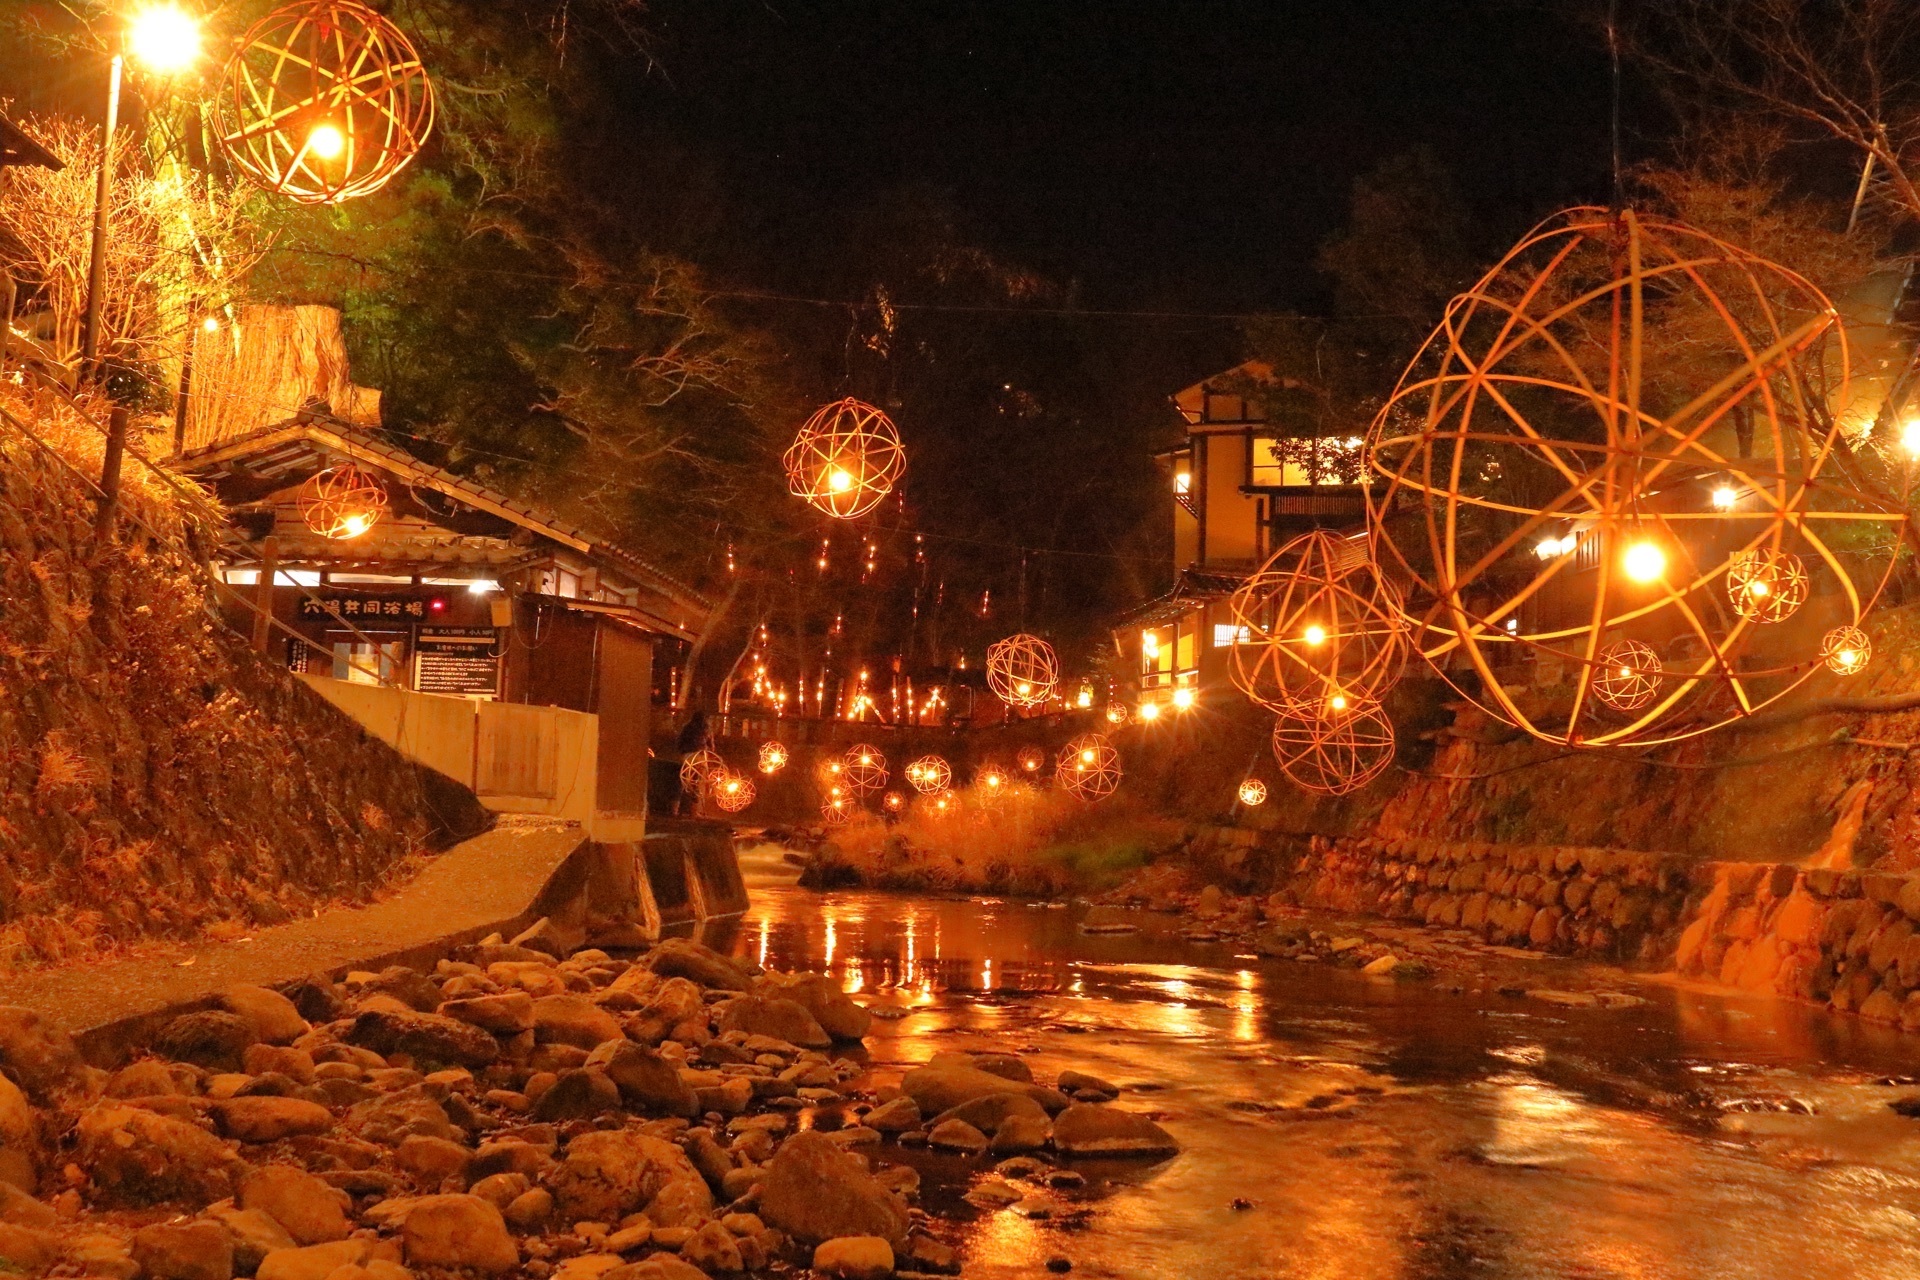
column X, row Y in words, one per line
column 1382, row 1129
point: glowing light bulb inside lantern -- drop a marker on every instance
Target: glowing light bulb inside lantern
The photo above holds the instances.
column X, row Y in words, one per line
column 1337, row 702
column 355, row 525
column 1849, row 658
column 1085, row 699
column 1025, row 689
column 839, row 480
column 1086, row 756
column 1625, row 672
column 1315, row 635
column 1644, row 562
column 1183, row 699
column 1758, row 587
column 1724, row 497
column 1149, row 711
column 164, row 39
column 992, row 780
column 326, row 141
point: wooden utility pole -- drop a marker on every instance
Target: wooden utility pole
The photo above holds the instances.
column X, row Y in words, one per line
column 110, row 476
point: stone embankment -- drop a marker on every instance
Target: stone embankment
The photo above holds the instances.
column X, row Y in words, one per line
column 542, row 1113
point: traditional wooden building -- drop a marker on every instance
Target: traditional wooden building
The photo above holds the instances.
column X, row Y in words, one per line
column 431, row 584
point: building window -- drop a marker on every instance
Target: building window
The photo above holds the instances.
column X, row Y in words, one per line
column 1302, row 462
column 357, row 661
column 1226, row 635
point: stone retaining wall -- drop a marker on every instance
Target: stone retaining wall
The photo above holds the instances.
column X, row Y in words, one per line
column 1602, row 903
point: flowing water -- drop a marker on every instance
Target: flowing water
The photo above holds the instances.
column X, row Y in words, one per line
column 1335, row 1125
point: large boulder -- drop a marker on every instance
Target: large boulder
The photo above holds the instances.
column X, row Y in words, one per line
column 673, row 1002
column 815, row 1192
column 1095, row 1130
column 133, row 1156
column 20, row 1152
column 427, row 1038
column 681, row 958
column 39, row 1056
column 573, row 1020
column 988, row 1113
column 830, row 1006
column 391, row 1119
column 579, row 1094
column 611, row 1173
column 647, row 1081
column 506, row 1014
column 211, row 1038
column 308, row 1208
column 269, row 1119
column 943, row 1086
column 458, row 1231
column 189, row 1251
column 782, row 1019
column 275, row 1019
column 27, row 1249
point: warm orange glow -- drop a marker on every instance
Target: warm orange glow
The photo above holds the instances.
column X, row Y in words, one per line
column 1644, row 562
column 1725, row 496
column 1183, row 699
column 1253, row 792
column 1149, row 711
column 1315, row 635
column 164, row 39
column 326, row 141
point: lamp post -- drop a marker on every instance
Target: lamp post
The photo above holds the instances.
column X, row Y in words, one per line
column 166, row 40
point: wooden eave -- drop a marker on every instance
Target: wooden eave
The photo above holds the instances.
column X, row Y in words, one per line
column 17, row 147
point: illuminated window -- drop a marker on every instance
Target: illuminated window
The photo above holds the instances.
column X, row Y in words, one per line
column 1305, row 462
column 1226, row 635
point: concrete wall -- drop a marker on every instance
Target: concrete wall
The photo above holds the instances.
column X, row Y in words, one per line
column 435, row 731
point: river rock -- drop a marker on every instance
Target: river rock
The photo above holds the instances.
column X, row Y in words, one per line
column 150, row 1078
column 898, row 1116
column 957, row 1135
column 38, row 1055
column 610, row 1174
column 989, row 1113
column 579, row 1094
column 431, row 1160
column 530, row 1210
column 503, row 1014
column 786, row 1020
column 133, row 1156
column 193, row 1251
column 1096, row 1130
column 943, row 1087
column 20, row 1152
column 680, row 958
column 672, row 1003
column 815, row 1192
column 659, row 1267
column 268, row 1059
column 573, row 1020
column 1075, row 1081
column 308, row 1208
column 211, row 1038
column 391, row 1119
column 647, row 1081
column 425, row 1037
column 824, row 998
column 1005, row 1065
column 253, row 1233
column 22, row 1210
column 268, row 1119
column 854, row 1258
column 26, row 1248
column 316, row 1262
column 1016, row 1134
column 712, row 1248
column 98, row 1254
column 275, row 1019
column 458, row 1231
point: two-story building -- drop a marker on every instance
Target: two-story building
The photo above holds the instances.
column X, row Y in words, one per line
column 1240, row 488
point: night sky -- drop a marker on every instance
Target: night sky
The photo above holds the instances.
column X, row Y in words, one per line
column 1185, row 154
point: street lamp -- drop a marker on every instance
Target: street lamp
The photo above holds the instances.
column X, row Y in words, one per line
column 164, row 39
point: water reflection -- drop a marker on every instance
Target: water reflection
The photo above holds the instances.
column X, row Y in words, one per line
column 1383, row 1129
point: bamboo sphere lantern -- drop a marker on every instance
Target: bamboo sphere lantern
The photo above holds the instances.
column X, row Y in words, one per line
column 731, row 792
column 698, row 771
column 894, row 802
column 837, row 810
column 1846, row 650
column 1333, row 756
column 1088, row 768
column 1625, row 429
column 866, row 768
column 1031, row 759
column 342, row 502
column 929, row 774
column 1117, row 714
column 943, row 804
column 990, row 779
column 1022, row 670
column 1629, row 675
column 773, row 757
column 1321, row 632
column 845, row 459
column 325, row 100
column 1253, row 793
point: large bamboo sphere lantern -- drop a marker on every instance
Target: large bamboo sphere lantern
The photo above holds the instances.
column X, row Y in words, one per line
column 1321, row 632
column 342, row 502
column 324, row 101
column 845, row 459
column 929, row 774
column 1022, row 670
column 731, row 792
column 866, row 768
column 699, row 770
column 1032, row 758
column 1088, row 768
column 1625, row 431
column 1333, row 755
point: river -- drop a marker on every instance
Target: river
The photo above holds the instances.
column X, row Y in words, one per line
column 1335, row 1125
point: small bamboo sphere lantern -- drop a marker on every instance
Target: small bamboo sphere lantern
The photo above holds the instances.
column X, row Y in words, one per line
column 1031, row 759
column 698, row 771
column 1333, row 756
column 1318, row 631
column 837, row 809
column 325, row 100
column 1022, row 670
column 342, row 502
column 991, row 780
column 1622, row 429
column 731, row 792
column 845, row 459
column 1088, row 768
column 895, row 802
column 1117, row 714
column 773, row 756
column 943, row 804
column 1253, row 793
column 1629, row 675
column 1846, row 650
column 929, row 774
column 866, row 768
